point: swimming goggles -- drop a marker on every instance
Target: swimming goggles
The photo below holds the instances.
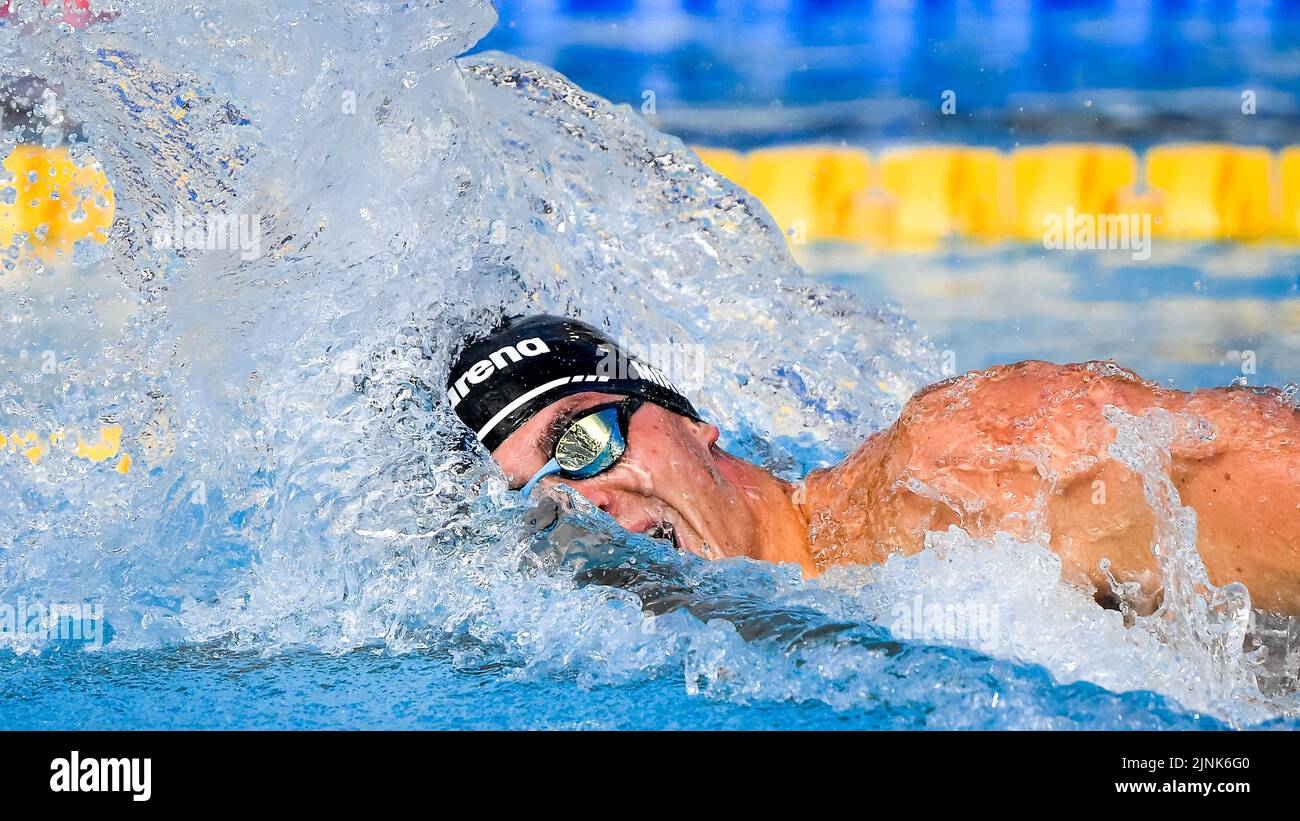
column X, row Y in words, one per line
column 591, row 444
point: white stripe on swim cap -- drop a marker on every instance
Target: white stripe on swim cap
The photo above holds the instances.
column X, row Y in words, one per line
column 534, row 393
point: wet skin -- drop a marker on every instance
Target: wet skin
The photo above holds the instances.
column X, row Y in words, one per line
column 1018, row 448
column 673, row 481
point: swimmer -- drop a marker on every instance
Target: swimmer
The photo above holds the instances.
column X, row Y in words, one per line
column 1017, row 448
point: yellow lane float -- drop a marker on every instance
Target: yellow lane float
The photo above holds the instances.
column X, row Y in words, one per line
column 1056, row 179
column 106, row 447
column 1209, row 191
column 53, row 199
column 932, row 192
column 1288, row 222
column 810, row 190
column 50, row 200
column 913, row 198
column 731, row 164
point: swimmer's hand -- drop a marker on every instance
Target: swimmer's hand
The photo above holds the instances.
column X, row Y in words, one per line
column 596, row 556
column 566, row 538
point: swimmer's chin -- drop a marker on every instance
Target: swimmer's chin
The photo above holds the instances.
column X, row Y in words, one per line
column 670, row 529
column 682, row 536
column 690, row 541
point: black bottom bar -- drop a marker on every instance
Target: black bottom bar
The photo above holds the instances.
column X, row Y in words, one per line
column 211, row 770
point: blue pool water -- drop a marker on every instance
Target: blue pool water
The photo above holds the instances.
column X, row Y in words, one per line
column 754, row 73
column 303, row 540
column 1191, row 317
column 205, row 688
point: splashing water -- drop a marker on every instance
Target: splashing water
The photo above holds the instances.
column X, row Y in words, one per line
column 299, row 484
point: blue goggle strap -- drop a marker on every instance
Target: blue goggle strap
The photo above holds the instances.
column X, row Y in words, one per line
column 549, row 469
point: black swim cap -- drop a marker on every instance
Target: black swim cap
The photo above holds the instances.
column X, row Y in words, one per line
column 501, row 381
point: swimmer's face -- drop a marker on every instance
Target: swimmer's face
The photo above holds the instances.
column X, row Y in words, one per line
column 672, row 481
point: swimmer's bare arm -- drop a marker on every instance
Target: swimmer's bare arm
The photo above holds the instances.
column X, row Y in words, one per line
column 1024, row 448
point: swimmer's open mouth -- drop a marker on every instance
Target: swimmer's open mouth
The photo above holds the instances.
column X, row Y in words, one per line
column 663, row 530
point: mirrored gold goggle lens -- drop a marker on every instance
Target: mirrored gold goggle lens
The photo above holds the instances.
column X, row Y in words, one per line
column 591, row 443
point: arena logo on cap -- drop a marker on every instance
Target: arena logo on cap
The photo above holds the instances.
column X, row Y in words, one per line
column 498, row 361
